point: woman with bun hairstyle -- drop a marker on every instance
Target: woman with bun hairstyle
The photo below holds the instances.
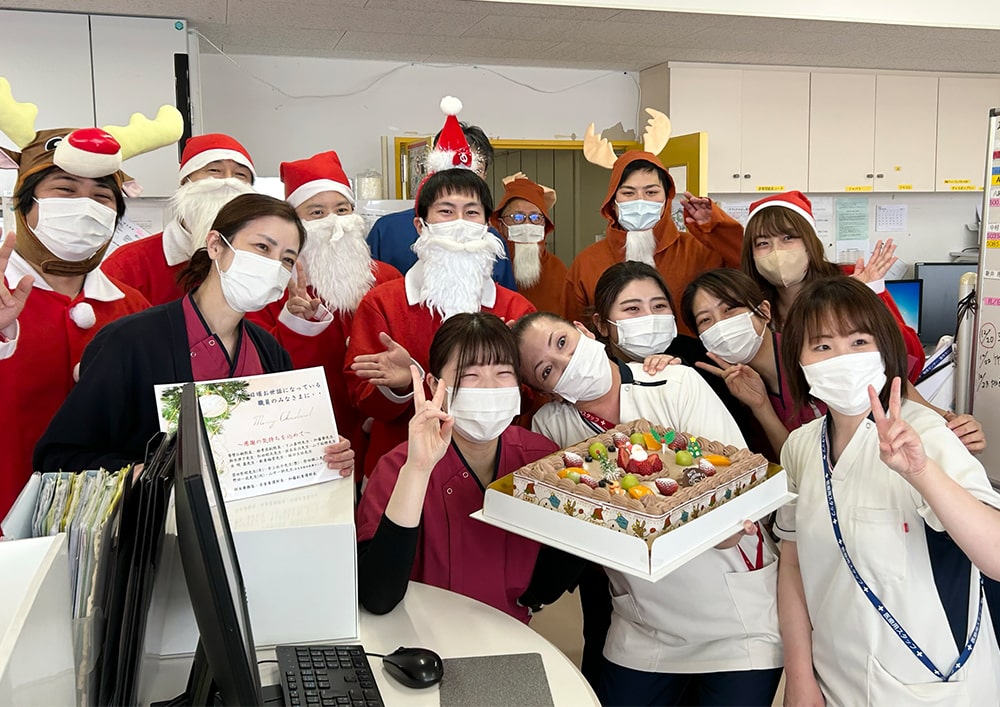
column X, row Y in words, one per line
column 111, row 414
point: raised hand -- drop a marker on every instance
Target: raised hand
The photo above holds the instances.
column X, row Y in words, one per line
column 339, row 456
column 299, row 302
column 12, row 302
column 697, row 209
column 430, row 427
column 390, row 368
column 657, row 362
column 878, row 265
column 743, row 382
column 969, row 430
column 899, row 445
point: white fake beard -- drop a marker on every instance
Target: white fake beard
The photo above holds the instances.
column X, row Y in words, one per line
column 196, row 204
column 454, row 272
column 640, row 246
column 338, row 261
column 527, row 264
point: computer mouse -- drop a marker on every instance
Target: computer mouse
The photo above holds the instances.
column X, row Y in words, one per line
column 414, row 667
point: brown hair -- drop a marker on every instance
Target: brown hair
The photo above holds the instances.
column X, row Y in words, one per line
column 732, row 287
column 473, row 339
column 845, row 305
column 615, row 279
column 232, row 218
column 778, row 221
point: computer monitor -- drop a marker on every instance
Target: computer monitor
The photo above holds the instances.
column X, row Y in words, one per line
column 940, row 298
column 908, row 295
column 225, row 667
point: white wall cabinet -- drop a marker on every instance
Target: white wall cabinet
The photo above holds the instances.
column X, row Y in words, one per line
column 757, row 123
column 85, row 70
column 905, row 132
column 963, row 114
column 841, row 132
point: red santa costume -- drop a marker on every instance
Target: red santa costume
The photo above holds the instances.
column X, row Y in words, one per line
column 151, row 265
column 451, row 275
column 540, row 275
column 340, row 270
column 37, row 364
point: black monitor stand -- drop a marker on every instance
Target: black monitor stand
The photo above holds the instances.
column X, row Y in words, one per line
column 201, row 690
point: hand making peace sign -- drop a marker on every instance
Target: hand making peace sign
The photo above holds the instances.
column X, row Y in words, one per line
column 299, row 302
column 430, row 427
column 899, row 445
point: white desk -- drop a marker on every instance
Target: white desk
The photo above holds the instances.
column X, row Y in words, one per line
column 452, row 625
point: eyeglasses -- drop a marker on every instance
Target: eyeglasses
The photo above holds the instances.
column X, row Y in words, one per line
column 519, row 217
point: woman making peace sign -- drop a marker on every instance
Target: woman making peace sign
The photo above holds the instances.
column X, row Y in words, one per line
column 894, row 521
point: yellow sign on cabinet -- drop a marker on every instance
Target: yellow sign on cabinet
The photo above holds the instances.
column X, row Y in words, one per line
column 905, row 187
column 964, row 187
column 859, row 187
column 956, row 181
column 776, row 187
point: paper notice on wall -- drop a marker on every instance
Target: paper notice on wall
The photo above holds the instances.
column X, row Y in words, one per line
column 822, row 208
column 890, row 218
column 739, row 210
column 852, row 219
column 126, row 231
column 849, row 251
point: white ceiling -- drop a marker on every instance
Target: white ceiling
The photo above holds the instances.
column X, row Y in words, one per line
column 470, row 32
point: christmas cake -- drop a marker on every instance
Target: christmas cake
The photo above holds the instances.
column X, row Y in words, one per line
column 640, row 478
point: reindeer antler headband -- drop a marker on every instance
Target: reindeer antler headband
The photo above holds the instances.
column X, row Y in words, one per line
column 85, row 152
column 598, row 150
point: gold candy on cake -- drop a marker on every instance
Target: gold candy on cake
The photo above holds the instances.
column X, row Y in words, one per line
column 640, row 479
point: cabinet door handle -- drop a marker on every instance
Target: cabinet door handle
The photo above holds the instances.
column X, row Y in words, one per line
column 880, row 176
column 746, row 176
column 869, row 176
column 736, row 176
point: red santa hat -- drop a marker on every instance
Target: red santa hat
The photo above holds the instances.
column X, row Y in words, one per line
column 452, row 149
column 793, row 200
column 304, row 179
column 200, row 150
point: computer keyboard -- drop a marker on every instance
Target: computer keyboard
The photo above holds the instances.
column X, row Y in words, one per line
column 327, row 676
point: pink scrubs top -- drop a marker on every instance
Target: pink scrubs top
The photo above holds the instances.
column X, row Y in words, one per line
column 209, row 358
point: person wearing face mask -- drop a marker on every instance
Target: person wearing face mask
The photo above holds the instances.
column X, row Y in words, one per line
column 68, row 197
column 395, row 322
column 640, row 225
column 111, row 414
column 522, row 217
column 214, row 169
column 413, row 519
column 334, row 271
column 392, row 236
column 720, row 648
column 782, row 252
column 893, row 525
column 634, row 316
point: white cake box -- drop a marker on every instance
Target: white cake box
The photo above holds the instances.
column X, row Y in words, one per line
column 628, row 553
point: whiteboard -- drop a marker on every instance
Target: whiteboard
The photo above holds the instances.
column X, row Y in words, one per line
column 986, row 362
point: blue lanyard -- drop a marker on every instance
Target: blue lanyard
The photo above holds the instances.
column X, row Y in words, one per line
column 896, row 627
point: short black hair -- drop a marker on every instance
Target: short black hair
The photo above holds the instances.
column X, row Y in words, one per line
column 477, row 140
column 24, row 197
column 645, row 166
column 454, row 181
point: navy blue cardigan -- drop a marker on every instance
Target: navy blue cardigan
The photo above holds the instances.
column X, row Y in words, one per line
column 110, row 415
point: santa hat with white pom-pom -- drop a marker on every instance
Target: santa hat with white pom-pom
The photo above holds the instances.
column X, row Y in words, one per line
column 452, row 149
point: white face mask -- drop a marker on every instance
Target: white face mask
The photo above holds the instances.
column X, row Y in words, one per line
column 734, row 340
column 459, row 230
column 482, row 414
column 526, row 233
column 252, row 281
column 587, row 375
column 644, row 336
column 639, row 214
column 842, row 381
column 74, row 229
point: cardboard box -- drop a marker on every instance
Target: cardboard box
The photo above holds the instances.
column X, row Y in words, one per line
column 298, row 555
column 37, row 665
column 627, row 553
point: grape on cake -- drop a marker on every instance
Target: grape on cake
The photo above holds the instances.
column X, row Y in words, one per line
column 639, row 478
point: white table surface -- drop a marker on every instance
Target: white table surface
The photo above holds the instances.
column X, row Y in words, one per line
column 450, row 624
